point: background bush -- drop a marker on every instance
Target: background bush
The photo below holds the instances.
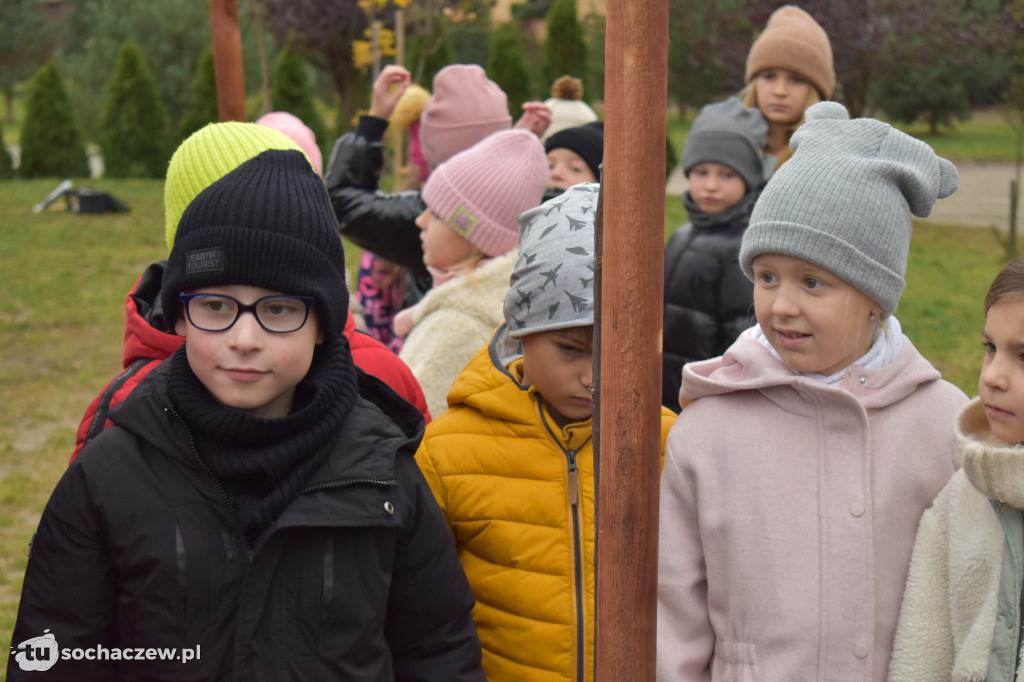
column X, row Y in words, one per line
column 51, row 144
column 134, row 141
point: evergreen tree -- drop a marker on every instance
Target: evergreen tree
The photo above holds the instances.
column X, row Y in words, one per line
column 565, row 52
column 291, row 90
column 6, row 164
column 51, row 144
column 202, row 99
column 508, row 66
column 134, row 140
column 594, row 28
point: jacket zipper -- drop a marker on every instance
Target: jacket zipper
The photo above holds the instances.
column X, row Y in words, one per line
column 577, row 541
column 216, row 481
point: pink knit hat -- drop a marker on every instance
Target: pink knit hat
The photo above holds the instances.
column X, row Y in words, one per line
column 479, row 192
column 465, row 108
column 293, row 127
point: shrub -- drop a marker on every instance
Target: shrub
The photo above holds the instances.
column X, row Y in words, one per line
column 6, row 164
column 292, row 91
column 508, row 66
column 51, row 144
column 134, row 139
column 565, row 52
column 202, row 108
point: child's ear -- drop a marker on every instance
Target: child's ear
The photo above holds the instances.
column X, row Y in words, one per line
column 180, row 324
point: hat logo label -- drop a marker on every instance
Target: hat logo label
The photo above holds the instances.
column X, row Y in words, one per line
column 206, row 260
column 462, row 221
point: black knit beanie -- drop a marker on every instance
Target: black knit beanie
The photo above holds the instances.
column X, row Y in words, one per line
column 268, row 223
column 587, row 141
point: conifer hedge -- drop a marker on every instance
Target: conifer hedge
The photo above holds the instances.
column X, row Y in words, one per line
column 51, row 143
column 134, row 137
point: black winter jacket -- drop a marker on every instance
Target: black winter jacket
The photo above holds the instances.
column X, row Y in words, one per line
column 356, row 580
column 379, row 222
column 708, row 299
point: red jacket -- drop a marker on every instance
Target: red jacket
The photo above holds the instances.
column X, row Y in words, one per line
column 145, row 346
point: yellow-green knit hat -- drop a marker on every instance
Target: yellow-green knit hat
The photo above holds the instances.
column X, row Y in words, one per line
column 209, row 154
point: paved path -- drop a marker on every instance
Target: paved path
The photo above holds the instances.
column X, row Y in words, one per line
column 983, row 199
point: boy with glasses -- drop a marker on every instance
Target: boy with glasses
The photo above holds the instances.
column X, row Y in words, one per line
column 256, row 500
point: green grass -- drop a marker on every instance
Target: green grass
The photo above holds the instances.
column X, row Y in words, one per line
column 985, row 137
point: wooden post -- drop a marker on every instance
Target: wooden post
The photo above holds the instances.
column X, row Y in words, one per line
column 227, row 60
column 630, row 265
column 400, row 60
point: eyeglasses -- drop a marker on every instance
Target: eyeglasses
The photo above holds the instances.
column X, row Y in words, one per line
column 276, row 314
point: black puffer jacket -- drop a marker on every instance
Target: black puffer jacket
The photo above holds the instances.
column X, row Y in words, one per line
column 379, row 222
column 356, row 580
column 708, row 300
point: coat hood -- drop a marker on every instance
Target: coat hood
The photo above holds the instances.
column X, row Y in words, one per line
column 748, row 366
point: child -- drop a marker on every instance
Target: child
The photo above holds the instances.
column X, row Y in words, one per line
column 512, row 462
column 961, row 612
column 708, row 300
column 794, row 478
column 574, row 156
column 465, row 107
column 568, row 110
column 789, row 68
column 469, row 230
column 256, row 501
column 149, row 338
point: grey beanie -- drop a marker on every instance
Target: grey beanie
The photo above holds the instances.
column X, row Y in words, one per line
column 552, row 286
column 728, row 133
column 844, row 201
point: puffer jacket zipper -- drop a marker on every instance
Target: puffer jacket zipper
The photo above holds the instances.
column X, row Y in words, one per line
column 577, row 541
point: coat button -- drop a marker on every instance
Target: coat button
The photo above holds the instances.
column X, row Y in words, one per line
column 860, row 651
column 863, row 380
column 857, row 509
column 389, row 508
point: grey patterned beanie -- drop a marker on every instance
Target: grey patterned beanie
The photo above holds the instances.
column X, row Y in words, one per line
column 845, row 198
column 552, row 286
column 728, row 133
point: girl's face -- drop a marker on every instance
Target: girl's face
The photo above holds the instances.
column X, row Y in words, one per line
column 443, row 247
column 567, row 168
column 1001, row 385
column 781, row 96
column 815, row 321
column 715, row 187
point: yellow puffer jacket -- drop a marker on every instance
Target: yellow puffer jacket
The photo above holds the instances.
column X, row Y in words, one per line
column 518, row 494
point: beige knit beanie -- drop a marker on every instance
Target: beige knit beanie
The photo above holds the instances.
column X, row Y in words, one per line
column 793, row 40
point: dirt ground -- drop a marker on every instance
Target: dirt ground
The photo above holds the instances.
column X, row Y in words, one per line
column 983, row 199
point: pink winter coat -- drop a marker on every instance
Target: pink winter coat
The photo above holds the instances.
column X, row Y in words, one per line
column 788, row 513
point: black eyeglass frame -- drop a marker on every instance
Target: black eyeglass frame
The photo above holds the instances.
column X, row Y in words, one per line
column 241, row 308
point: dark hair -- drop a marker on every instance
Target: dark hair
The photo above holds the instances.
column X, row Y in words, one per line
column 1008, row 284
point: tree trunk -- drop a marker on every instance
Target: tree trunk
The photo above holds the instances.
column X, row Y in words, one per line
column 227, row 60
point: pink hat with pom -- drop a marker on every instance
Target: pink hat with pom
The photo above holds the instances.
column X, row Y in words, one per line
column 293, row 127
column 465, row 108
column 479, row 192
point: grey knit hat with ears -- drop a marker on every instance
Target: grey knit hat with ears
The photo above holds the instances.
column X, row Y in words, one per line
column 552, row 285
column 844, row 201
